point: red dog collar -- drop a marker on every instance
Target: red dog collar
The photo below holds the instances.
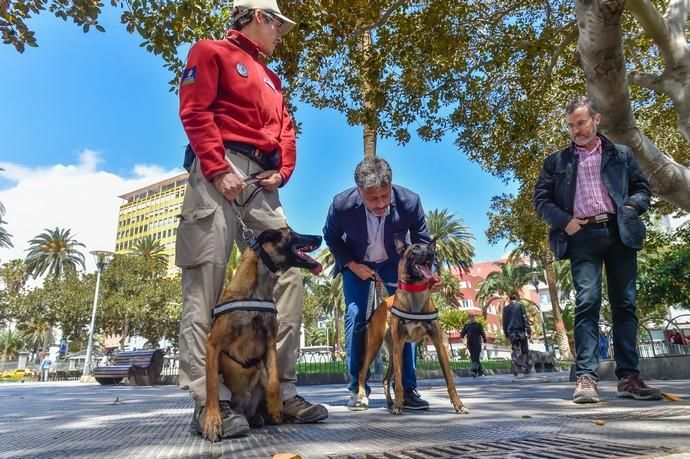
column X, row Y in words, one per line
column 413, row 287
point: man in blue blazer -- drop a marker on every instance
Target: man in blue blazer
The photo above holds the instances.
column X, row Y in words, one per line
column 360, row 231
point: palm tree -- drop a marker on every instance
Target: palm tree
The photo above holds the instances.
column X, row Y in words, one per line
column 454, row 247
column 53, row 251
column 512, row 276
column 11, row 342
column 5, row 240
column 151, row 250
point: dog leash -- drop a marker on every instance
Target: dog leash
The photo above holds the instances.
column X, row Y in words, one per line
column 372, row 300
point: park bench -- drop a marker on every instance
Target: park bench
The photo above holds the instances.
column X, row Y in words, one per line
column 141, row 368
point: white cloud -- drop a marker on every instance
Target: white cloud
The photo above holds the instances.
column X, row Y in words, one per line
column 81, row 196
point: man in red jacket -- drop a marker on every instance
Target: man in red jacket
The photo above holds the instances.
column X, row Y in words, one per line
column 232, row 109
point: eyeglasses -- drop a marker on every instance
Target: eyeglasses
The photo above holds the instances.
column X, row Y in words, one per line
column 273, row 20
column 579, row 125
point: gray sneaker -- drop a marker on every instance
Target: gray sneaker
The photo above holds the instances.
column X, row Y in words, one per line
column 300, row 411
column 586, row 390
column 358, row 404
column 234, row 425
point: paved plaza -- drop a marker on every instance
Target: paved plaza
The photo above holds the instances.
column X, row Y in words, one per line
column 524, row 417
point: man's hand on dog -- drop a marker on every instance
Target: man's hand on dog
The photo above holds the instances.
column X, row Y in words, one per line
column 362, row 271
column 270, row 180
column 229, row 185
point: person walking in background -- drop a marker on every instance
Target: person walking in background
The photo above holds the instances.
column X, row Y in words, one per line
column 603, row 345
column 46, row 363
column 517, row 329
column 592, row 194
column 474, row 332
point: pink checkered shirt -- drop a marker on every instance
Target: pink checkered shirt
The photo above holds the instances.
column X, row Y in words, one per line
column 591, row 196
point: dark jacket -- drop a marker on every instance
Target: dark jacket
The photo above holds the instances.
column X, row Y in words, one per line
column 554, row 193
column 475, row 334
column 515, row 319
column 345, row 231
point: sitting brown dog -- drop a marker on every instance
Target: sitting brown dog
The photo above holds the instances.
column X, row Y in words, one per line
column 242, row 342
column 408, row 316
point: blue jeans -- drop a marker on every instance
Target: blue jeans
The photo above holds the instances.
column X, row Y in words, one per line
column 356, row 292
column 588, row 249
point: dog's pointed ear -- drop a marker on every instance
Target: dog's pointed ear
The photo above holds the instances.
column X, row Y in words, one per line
column 400, row 243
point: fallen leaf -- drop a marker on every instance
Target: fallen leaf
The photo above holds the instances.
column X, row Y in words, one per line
column 286, row 456
column 524, row 416
column 598, row 422
column 671, row 397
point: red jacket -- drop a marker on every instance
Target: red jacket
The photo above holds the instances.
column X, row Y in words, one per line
column 228, row 94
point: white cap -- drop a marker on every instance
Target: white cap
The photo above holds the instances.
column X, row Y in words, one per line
column 241, row 7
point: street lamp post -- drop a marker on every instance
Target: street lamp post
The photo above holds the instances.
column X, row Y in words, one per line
column 535, row 282
column 102, row 257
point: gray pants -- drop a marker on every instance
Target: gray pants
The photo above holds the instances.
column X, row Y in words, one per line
column 205, row 236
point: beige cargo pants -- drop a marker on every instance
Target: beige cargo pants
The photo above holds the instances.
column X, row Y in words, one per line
column 205, row 235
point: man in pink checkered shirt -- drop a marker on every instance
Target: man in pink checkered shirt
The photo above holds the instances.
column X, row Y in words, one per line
column 592, row 193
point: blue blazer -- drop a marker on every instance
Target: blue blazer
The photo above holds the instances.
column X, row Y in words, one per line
column 345, row 231
column 554, row 193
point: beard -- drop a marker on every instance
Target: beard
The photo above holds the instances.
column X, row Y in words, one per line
column 582, row 141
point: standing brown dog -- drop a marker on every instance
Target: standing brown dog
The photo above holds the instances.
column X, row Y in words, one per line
column 242, row 342
column 408, row 316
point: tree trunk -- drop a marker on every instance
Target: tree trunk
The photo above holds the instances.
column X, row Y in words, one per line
column 369, row 126
column 561, row 335
column 125, row 332
column 600, row 52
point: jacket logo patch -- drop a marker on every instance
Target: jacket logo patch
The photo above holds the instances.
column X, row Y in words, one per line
column 189, row 76
column 242, row 70
column 269, row 83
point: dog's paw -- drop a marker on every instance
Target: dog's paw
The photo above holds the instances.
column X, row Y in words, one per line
column 276, row 419
column 213, row 427
column 461, row 410
column 396, row 410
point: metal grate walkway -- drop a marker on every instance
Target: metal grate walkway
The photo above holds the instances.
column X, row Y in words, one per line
column 561, row 447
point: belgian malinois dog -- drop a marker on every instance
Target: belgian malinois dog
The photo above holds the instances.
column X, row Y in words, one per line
column 407, row 316
column 242, row 341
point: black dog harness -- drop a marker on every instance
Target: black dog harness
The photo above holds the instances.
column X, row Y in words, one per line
column 244, row 305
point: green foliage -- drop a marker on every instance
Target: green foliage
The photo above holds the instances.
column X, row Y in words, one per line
column 5, row 237
column 452, row 319
column 138, row 298
column 54, row 251
column 454, row 247
column 664, row 272
column 11, row 342
column 512, row 276
column 151, row 251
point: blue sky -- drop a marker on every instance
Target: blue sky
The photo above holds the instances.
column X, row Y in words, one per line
column 86, row 117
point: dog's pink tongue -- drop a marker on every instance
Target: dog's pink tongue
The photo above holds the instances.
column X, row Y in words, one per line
column 317, row 270
column 425, row 272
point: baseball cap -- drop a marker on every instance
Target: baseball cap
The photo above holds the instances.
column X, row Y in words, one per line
column 241, row 7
